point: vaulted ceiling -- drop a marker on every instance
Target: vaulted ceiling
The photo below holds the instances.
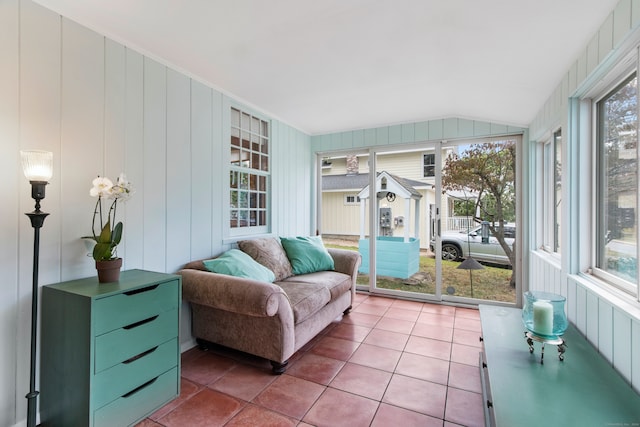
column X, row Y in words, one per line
column 330, row 65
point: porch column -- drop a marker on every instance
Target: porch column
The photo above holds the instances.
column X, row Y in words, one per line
column 417, row 218
column 407, row 209
column 363, row 212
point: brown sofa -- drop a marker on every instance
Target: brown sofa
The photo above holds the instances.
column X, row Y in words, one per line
column 270, row 320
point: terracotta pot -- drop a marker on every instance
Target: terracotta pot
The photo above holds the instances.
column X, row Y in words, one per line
column 109, row 271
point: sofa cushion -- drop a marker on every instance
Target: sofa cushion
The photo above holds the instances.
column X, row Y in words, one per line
column 336, row 283
column 306, row 298
column 268, row 252
column 307, row 254
column 237, row 263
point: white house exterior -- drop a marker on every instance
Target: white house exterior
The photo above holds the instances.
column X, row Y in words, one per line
column 344, row 177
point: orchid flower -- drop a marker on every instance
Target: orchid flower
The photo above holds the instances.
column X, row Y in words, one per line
column 109, row 236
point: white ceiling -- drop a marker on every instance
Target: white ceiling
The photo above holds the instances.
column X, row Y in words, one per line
column 330, row 65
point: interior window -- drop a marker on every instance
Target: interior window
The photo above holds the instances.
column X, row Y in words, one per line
column 249, row 173
column 552, row 192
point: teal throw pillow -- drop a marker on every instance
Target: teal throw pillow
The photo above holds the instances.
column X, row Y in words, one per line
column 234, row 262
column 307, row 254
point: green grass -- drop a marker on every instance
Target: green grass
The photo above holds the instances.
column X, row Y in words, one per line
column 491, row 283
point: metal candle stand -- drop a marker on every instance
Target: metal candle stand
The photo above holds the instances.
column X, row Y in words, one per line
column 545, row 320
column 553, row 340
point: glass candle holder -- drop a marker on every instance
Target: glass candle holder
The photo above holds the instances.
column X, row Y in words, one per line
column 543, row 314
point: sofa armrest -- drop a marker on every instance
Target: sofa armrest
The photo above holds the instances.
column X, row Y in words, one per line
column 229, row 293
column 346, row 261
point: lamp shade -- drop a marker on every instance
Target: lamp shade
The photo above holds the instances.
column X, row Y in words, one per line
column 37, row 165
column 470, row 264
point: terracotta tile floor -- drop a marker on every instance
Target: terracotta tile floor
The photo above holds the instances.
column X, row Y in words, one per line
column 388, row 363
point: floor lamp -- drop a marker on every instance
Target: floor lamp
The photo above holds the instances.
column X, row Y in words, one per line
column 38, row 168
column 470, row 263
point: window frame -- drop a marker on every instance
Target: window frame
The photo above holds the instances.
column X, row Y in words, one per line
column 613, row 83
column 432, row 165
column 551, row 193
column 356, row 199
column 259, row 179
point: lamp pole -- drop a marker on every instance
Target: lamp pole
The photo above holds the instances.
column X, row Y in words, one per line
column 37, row 219
column 38, row 167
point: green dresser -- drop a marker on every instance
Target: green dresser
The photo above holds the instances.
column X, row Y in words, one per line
column 110, row 353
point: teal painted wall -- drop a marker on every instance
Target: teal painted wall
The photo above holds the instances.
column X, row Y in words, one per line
column 610, row 323
column 103, row 108
column 431, row 130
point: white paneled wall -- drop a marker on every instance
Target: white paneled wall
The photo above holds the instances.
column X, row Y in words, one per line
column 547, row 273
column 610, row 323
column 10, row 216
column 102, row 109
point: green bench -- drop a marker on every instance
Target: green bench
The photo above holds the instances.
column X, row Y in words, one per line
column 518, row 391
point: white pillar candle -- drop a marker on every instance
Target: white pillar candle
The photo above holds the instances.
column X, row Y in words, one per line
column 543, row 318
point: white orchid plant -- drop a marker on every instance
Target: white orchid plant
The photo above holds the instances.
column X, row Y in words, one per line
column 110, row 235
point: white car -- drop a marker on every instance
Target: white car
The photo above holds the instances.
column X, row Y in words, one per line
column 456, row 245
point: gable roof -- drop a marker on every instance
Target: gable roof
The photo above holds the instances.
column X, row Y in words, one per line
column 359, row 181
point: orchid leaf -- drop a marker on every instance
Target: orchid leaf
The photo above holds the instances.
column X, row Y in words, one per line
column 102, row 251
column 116, row 234
column 105, row 234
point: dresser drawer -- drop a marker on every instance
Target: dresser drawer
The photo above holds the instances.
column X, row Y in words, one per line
column 112, row 383
column 116, row 311
column 138, row 402
column 122, row 344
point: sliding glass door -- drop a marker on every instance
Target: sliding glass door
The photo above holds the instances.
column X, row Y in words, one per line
column 429, row 223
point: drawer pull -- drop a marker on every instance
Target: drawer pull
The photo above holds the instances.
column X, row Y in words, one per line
column 141, row 355
column 141, row 290
column 140, row 323
column 137, row 389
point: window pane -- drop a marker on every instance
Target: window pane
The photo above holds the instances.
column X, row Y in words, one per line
column 243, row 201
column 557, row 141
column 235, row 118
column 246, row 143
column 244, row 180
column 617, row 183
column 428, row 163
column 235, row 137
column 235, row 156
column 243, row 218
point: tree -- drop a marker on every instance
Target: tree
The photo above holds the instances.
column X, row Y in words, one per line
column 618, row 156
column 488, row 171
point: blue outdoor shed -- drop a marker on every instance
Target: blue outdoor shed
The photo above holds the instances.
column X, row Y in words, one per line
column 396, row 256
